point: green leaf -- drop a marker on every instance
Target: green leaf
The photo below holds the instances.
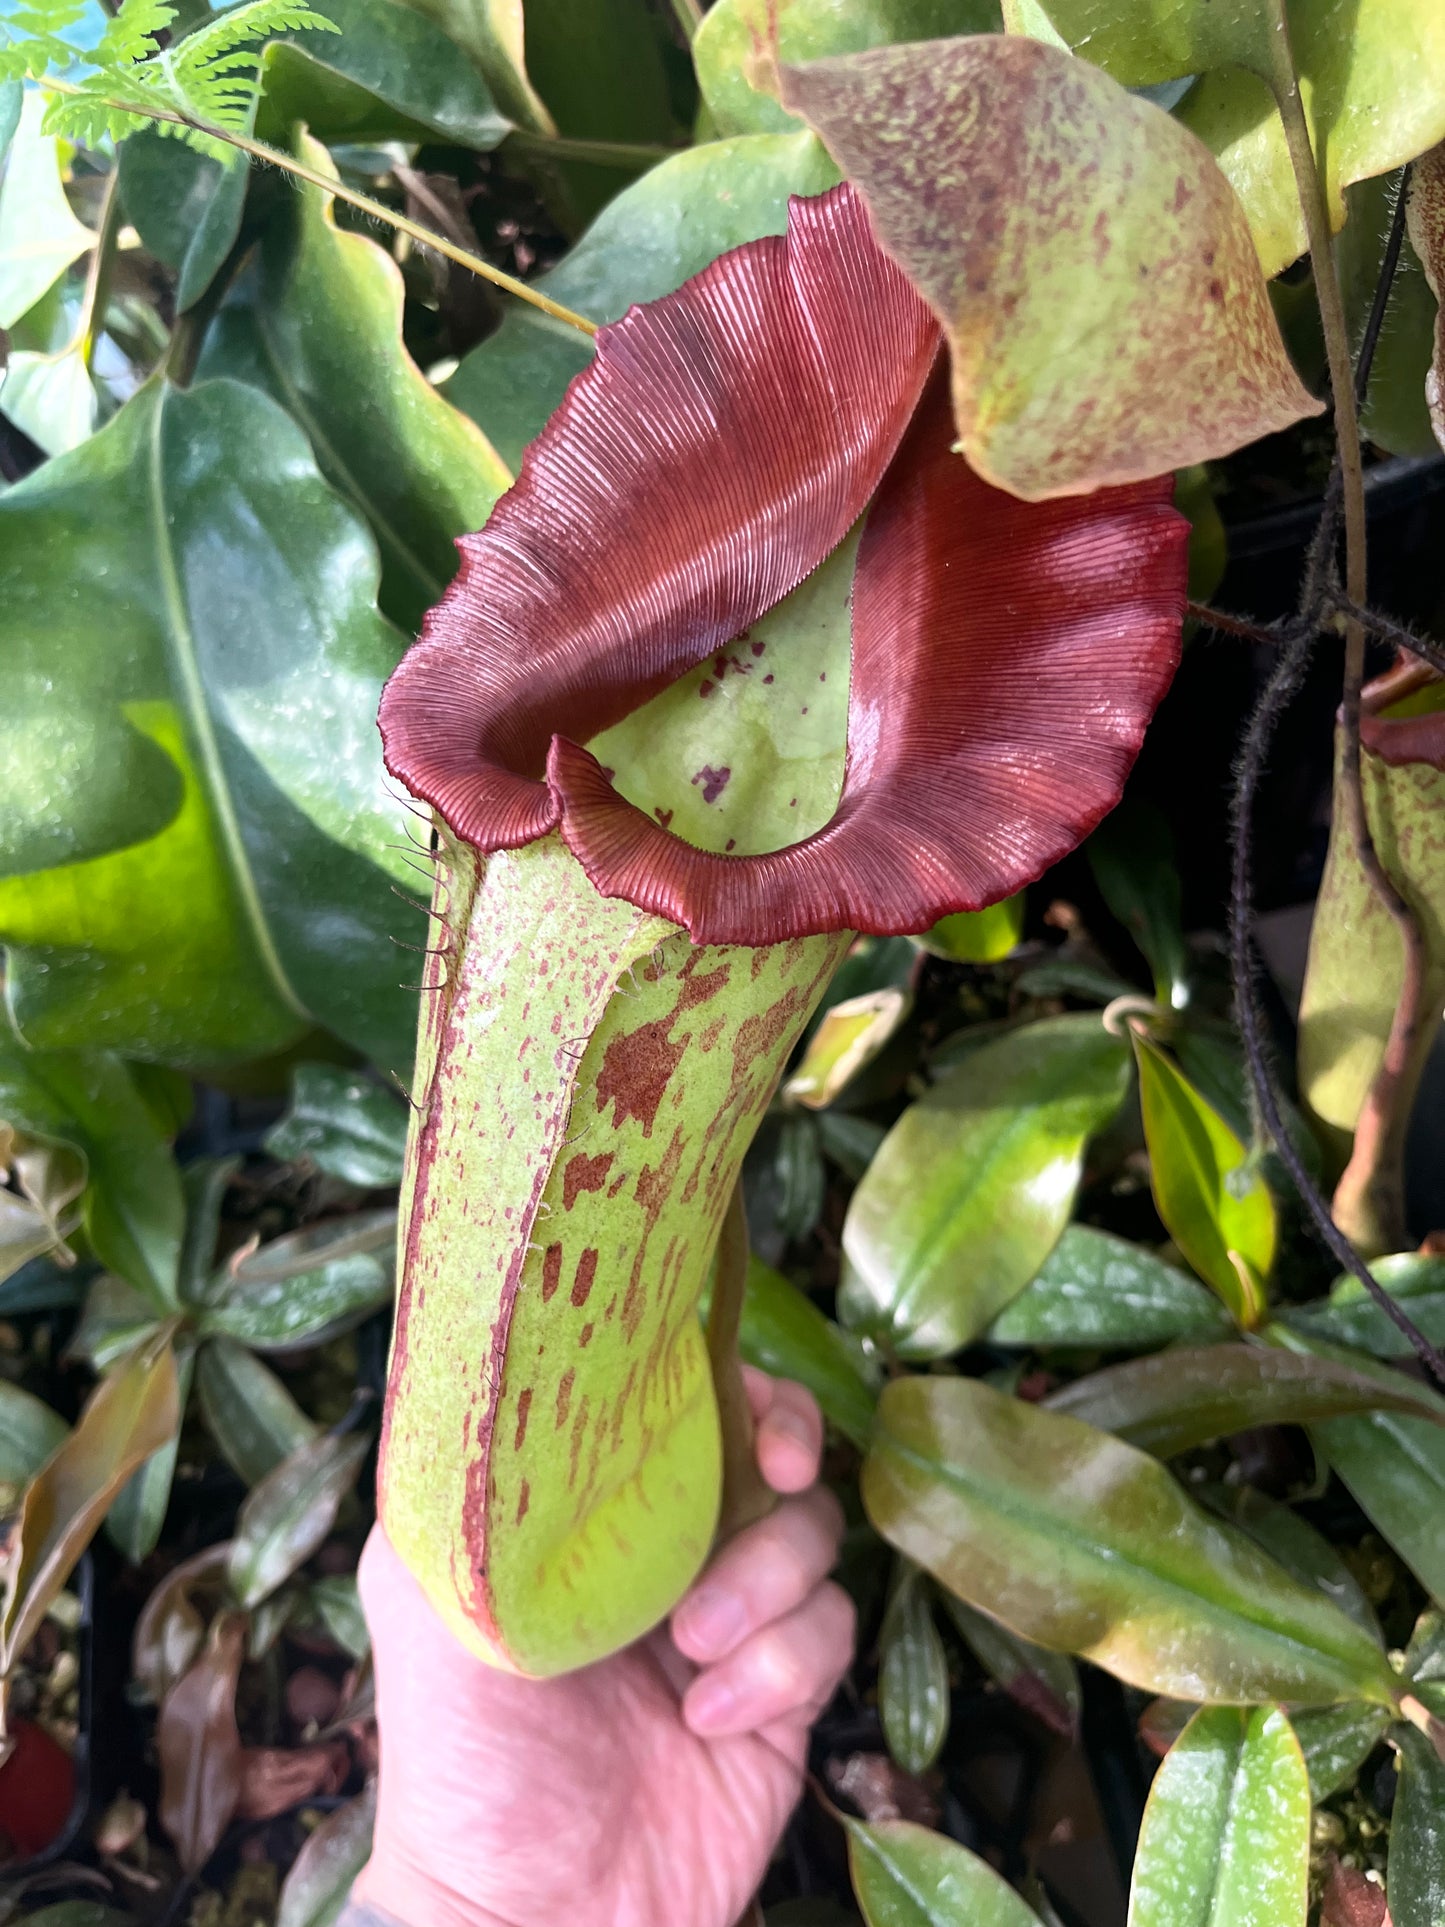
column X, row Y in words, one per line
column 250, row 1413
column 1349, row 1316
column 1134, row 863
column 1179, row 1399
column 975, row 1182
column 733, row 30
column 113, row 1321
column 389, row 74
column 1226, row 1834
column 906, row 1876
column 29, row 1433
column 656, row 234
column 315, row 322
column 132, row 1205
column 1045, row 1683
column 288, row 1515
column 1217, row 1210
column 1099, row 1292
column 198, row 867
column 784, row 1333
column 185, row 206
column 1373, row 79
column 1395, row 415
column 1296, row 1545
column 851, row 1142
column 800, row 1181
column 205, row 1183
column 1336, row 1741
column 1081, row 1543
column 977, row 936
column 319, row 1884
column 345, row 1125
column 39, row 236
column 1415, row 1877
column 133, row 1524
column 492, row 34
column 302, row 1288
column 338, row 1606
column 1088, row 261
column 913, row 1699
column 128, row 1416
column 50, row 397
column 1395, row 1467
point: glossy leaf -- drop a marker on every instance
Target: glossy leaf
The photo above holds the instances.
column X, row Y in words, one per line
column 1132, row 857
column 913, row 1699
column 29, row 1433
column 847, row 1040
column 1096, row 1291
column 319, row 1882
column 906, row 1876
column 1336, row 1741
column 1045, row 1683
column 799, row 1178
column 250, row 1414
column 1226, row 1834
column 345, row 1125
column 1371, row 83
column 179, row 878
column 200, row 1746
column 186, row 207
column 1395, row 1467
column 131, row 1207
column 1217, row 1210
column 784, row 1333
column 127, row 1417
column 133, row 1524
column 114, row 1319
column 977, row 936
column 1425, row 215
column 1415, row 1877
column 1287, row 1537
column 288, row 1515
column 975, row 1182
column 1087, row 259
column 732, row 31
column 1083, row 1544
column 492, row 33
column 300, row 1289
column 315, row 323
column 388, row 74
column 1179, row 1399
column 1349, row 1316
column 51, row 397
column 656, row 234
column 39, row 236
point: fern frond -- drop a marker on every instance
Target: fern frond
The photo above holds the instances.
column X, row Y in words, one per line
column 89, row 119
column 132, row 34
column 31, row 39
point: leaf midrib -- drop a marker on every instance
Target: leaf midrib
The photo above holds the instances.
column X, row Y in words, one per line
column 188, row 672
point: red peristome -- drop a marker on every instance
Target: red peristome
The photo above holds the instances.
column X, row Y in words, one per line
column 1007, row 657
column 721, row 444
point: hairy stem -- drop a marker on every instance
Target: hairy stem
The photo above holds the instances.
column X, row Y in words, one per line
column 377, row 210
column 745, row 1496
column 1370, row 1200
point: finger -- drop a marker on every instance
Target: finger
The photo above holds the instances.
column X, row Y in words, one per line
column 759, row 1387
column 779, row 1675
column 790, row 1438
column 761, row 1575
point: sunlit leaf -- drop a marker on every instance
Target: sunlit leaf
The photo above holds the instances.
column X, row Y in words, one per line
column 127, row 1417
column 1179, row 1399
column 1096, row 1291
column 906, row 1876
column 345, row 1125
column 1081, row 1543
column 1226, row 1834
column 975, row 1182
column 1087, row 259
column 200, row 1746
column 319, row 1883
column 1217, row 1209
column 912, row 1675
column 251, row 1415
column 39, row 236
column 288, row 1515
column 51, row 397
column 183, row 893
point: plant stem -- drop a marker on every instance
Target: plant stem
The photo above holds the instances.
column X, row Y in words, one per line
column 378, row 210
column 91, row 324
column 561, row 147
column 745, row 1495
column 1369, row 1203
column 689, row 16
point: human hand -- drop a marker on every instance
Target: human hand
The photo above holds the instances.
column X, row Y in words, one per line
column 646, row 1791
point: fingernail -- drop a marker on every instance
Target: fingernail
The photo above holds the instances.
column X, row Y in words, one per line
column 711, row 1703
column 712, row 1619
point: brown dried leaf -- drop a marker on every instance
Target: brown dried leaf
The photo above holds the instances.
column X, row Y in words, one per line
column 171, row 1629
column 200, row 1746
column 1089, row 262
column 274, row 1778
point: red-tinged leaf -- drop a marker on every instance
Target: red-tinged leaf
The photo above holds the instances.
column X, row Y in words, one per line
column 129, row 1415
column 171, row 1630
column 276, row 1778
column 1091, row 264
column 200, row 1747
column 1425, row 212
column 1005, row 659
